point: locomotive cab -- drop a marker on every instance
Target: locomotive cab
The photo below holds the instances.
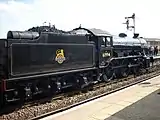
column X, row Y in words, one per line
column 103, row 44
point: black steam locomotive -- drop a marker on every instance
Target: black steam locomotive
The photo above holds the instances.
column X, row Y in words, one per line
column 48, row 61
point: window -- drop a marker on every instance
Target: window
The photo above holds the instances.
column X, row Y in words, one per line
column 105, row 41
column 108, row 41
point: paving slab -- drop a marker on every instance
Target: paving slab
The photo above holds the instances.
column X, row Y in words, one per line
column 146, row 109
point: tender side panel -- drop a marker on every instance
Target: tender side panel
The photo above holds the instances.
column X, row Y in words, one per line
column 3, row 56
column 41, row 58
column 3, row 69
column 1, row 59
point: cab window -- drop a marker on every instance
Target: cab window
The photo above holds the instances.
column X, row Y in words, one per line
column 105, row 41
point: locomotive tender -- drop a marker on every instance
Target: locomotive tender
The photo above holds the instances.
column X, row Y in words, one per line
column 33, row 62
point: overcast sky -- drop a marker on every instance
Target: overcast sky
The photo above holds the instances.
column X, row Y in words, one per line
column 68, row 14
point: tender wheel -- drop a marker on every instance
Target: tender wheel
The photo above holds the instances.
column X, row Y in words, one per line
column 82, row 82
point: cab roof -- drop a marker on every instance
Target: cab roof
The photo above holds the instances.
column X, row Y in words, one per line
column 93, row 31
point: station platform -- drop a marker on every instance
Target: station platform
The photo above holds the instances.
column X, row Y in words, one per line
column 138, row 102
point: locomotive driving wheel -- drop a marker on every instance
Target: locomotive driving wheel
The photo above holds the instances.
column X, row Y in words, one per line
column 124, row 71
column 142, row 67
column 109, row 72
column 137, row 70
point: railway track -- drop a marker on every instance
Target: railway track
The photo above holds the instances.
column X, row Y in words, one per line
column 63, row 102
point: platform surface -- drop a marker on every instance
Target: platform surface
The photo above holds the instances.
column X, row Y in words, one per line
column 138, row 102
column 146, row 109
